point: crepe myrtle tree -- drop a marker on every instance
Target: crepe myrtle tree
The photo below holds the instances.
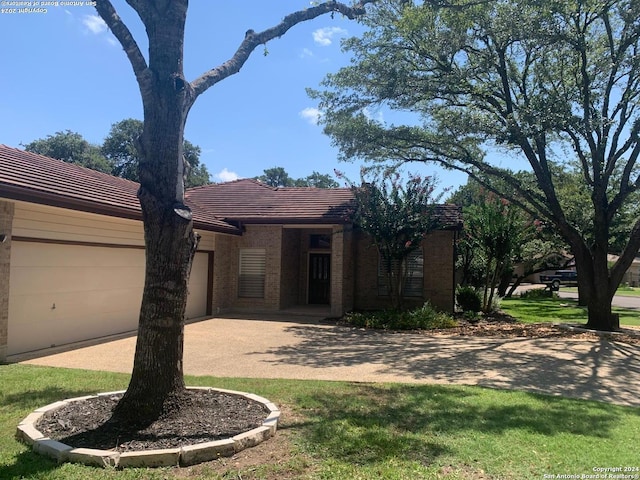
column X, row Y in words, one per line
column 553, row 85
column 157, row 382
column 396, row 216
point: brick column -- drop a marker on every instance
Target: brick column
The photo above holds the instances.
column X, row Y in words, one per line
column 337, row 272
column 6, row 222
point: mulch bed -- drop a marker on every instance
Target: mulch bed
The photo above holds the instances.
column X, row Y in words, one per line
column 204, row 416
column 502, row 325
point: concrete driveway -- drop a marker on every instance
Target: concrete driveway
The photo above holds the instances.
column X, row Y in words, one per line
column 299, row 347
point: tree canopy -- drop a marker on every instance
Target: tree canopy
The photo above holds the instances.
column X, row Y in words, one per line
column 71, row 147
column 278, row 177
column 117, row 155
column 550, row 85
column 396, row 216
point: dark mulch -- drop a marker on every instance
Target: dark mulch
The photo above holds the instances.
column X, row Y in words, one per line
column 502, row 325
column 204, row 416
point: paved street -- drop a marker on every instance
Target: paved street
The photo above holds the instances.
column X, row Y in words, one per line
column 618, row 301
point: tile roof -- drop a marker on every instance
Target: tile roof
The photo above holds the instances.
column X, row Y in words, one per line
column 35, row 178
column 250, row 201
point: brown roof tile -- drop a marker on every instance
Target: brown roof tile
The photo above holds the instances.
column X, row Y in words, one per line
column 250, row 201
column 31, row 177
column 36, row 178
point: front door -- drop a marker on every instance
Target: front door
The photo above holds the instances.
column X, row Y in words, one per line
column 319, row 278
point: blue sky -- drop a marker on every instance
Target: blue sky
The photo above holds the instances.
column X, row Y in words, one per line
column 64, row 70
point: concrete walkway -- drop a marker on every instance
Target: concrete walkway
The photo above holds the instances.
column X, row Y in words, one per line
column 303, row 348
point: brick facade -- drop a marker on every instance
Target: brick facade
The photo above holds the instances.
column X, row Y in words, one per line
column 6, row 222
column 439, row 270
column 354, row 269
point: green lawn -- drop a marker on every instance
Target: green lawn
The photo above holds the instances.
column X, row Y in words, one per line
column 363, row 431
column 558, row 310
column 622, row 291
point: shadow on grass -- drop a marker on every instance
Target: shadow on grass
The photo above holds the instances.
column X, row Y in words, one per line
column 39, row 398
column 418, row 422
column 16, row 406
column 28, row 465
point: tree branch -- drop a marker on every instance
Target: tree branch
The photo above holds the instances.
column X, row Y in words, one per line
column 253, row 39
column 119, row 29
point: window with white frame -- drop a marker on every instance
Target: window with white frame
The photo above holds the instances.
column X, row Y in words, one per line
column 251, row 277
column 414, row 280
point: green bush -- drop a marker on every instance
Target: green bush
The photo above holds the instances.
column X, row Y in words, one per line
column 468, row 299
column 536, row 293
column 423, row 318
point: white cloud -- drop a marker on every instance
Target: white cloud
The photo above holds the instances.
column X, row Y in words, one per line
column 306, row 53
column 94, row 24
column 324, row 36
column 375, row 115
column 226, row 176
column 311, row 115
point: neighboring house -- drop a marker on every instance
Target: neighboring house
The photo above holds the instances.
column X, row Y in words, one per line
column 72, row 253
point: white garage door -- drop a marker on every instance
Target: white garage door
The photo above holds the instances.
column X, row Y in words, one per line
column 66, row 293
column 197, row 300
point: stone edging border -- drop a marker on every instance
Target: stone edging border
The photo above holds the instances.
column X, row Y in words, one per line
column 182, row 456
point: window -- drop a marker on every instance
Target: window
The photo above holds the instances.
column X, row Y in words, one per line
column 319, row 241
column 252, row 273
column 413, row 283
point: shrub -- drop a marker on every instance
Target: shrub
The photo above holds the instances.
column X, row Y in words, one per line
column 536, row 293
column 423, row 318
column 468, row 299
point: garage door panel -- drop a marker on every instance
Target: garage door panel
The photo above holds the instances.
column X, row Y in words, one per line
column 65, row 293
column 198, row 281
column 40, row 280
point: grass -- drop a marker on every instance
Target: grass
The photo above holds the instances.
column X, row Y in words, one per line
column 623, row 291
column 559, row 310
column 363, row 431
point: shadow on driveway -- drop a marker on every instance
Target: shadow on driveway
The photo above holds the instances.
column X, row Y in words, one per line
column 594, row 370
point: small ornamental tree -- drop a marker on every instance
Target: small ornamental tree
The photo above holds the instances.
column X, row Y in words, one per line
column 494, row 229
column 396, row 217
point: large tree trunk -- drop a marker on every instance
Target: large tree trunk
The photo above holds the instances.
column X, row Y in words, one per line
column 157, row 380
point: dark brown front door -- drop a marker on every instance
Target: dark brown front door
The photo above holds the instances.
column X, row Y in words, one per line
column 319, row 277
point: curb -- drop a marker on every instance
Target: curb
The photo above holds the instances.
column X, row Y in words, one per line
column 27, row 433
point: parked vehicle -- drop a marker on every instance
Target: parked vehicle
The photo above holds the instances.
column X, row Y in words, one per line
column 561, row 277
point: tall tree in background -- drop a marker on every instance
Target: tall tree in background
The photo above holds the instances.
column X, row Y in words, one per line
column 117, row 155
column 555, row 84
column 157, row 380
column 71, row 147
column 278, row 177
column 120, row 148
column 275, row 177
